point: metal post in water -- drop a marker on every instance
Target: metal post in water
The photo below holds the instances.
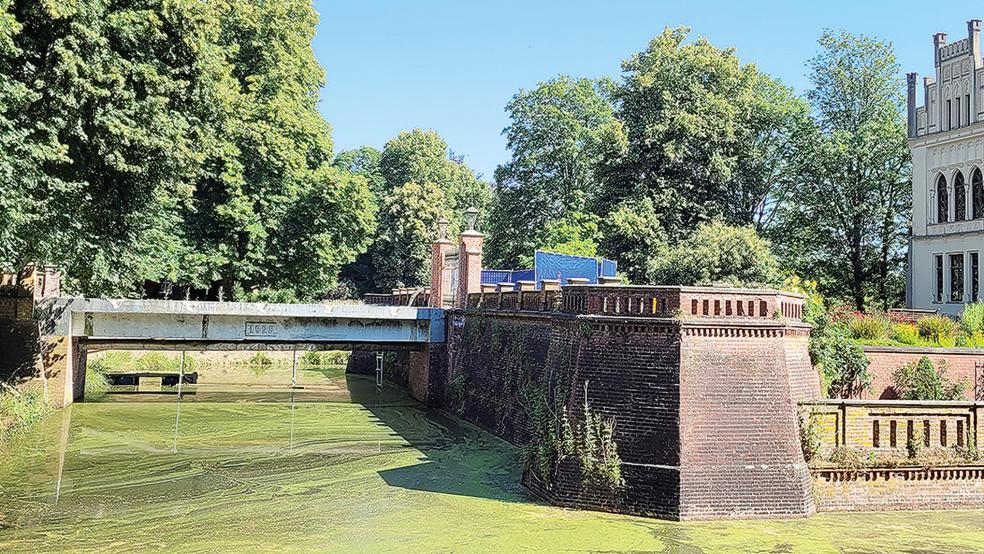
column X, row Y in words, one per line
column 177, row 413
column 293, row 371
column 379, row 370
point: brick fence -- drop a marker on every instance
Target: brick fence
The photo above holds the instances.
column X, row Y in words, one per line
column 881, row 433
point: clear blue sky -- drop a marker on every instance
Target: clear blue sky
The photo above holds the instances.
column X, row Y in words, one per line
column 451, row 66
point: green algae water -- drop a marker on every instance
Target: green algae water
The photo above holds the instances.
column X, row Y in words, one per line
column 341, row 466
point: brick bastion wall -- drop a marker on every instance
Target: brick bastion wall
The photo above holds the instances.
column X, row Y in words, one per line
column 702, row 384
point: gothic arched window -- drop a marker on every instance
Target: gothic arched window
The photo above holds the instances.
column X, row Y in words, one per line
column 959, row 198
column 977, row 193
column 942, row 201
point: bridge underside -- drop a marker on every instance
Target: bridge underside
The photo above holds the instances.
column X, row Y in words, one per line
column 102, row 344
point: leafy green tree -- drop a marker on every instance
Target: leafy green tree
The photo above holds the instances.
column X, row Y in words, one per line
column 364, row 161
column 401, row 254
column 415, row 162
column 168, row 141
column 423, row 156
column 707, row 137
column 922, row 380
column 717, row 253
column 846, row 222
column 633, row 235
column 557, row 135
column 99, row 134
column 576, row 235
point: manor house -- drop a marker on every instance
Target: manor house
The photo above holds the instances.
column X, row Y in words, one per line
column 946, row 137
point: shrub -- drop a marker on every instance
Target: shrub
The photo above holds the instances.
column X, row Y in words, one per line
column 718, row 253
column 905, row 333
column 809, row 431
column 330, row 358
column 869, row 327
column 260, row 358
column 20, row 409
column 939, row 329
column 921, row 380
column 96, row 383
column 972, row 318
column 842, row 364
column 974, row 340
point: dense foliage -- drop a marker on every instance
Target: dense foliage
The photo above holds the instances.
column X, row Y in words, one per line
column 172, row 141
column 690, row 136
column 922, row 380
column 846, row 222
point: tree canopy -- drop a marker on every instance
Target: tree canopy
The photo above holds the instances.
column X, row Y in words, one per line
column 170, row 141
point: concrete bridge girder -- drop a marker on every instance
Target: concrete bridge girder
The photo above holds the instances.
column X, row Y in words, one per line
column 71, row 326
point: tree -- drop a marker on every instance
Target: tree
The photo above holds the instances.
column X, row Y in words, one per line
column 632, row 234
column 921, row 380
column 707, row 137
column 401, row 254
column 557, row 134
column 99, row 106
column 166, row 141
column 717, row 253
column 847, row 218
column 415, row 162
column 364, row 161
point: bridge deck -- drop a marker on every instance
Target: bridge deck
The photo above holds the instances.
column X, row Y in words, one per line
column 169, row 324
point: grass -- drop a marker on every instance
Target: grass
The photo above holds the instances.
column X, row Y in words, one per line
column 20, row 409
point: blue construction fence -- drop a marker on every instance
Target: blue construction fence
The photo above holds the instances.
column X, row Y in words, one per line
column 548, row 265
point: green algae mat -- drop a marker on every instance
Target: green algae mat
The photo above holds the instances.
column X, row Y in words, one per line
column 344, row 467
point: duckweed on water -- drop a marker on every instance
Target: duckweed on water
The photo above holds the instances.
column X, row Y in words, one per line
column 347, row 469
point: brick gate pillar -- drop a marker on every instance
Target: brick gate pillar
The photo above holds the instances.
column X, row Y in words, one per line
column 469, row 261
column 439, row 248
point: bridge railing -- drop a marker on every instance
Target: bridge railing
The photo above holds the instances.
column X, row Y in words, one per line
column 418, row 297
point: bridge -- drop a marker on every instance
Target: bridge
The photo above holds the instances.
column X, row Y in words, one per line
column 49, row 335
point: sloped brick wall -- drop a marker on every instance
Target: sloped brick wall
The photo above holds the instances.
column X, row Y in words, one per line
column 741, row 455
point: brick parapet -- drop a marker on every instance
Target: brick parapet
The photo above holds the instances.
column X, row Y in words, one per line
column 883, row 427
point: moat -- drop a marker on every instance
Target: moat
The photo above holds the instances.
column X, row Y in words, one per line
column 343, row 466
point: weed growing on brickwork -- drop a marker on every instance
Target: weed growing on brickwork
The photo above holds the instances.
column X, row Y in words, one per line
column 555, row 439
column 597, row 451
column 809, row 432
column 457, row 386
